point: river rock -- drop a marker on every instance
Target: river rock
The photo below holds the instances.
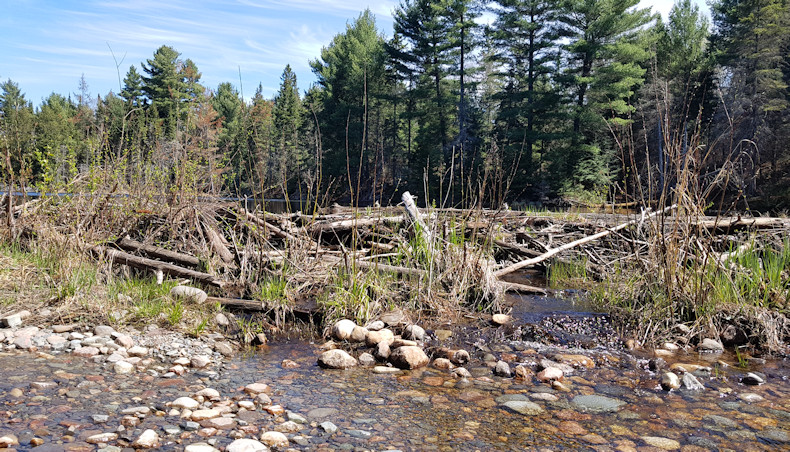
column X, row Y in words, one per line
column 328, row 427
column 414, row 332
column 100, row 438
column 524, row 407
column 137, row 351
column 661, row 443
column 125, row 341
column 501, row 319
column 103, row 330
column 9, row 440
column 199, row 361
column 376, row 337
column 203, row 447
column 752, row 379
column 670, row 381
column 149, row 439
column 550, row 373
column 246, row 445
column 336, row 359
column 462, row 372
column 86, row 352
column 358, row 334
column 223, row 348
column 409, row 357
column 189, row 293
column 342, row 329
column 502, row 369
column 375, row 325
column 274, row 439
column 576, row 360
column 123, row 367
column 185, row 402
column 221, row 319
column 442, row 363
column 385, row 370
column 597, row 403
column 202, row 415
column 711, row 346
column 691, row 383
column 11, row 321
column 367, row 360
column 256, row 388
column 382, row 350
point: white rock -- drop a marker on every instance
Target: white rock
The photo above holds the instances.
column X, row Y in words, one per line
column 342, row 329
column 375, row 326
column 209, row 393
column 670, row 381
column 202, row 415
column 199, row 361
column 274, row 439
column 185, row 402
column 501, row 319
column 336, row 359
column 711, row 345
column 103, row 330
column 200, row 447
column 137, row 351
column 189, row 293
column 147, row 440
column 246, row 445
column 123, row 367
column 414, row 332
column 101, row 438
column 11, row 321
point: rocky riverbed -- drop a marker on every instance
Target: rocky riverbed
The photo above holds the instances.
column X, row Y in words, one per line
column 67, row 387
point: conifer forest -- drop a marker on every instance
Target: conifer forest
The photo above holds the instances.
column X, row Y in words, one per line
column 554, row 101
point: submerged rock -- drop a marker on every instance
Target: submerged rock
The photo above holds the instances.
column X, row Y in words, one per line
column 523, row 407
column 691, row 383
column 711, row 346
column 246, row 445
column 414, row 332
column 502, row 369
column 597, row 403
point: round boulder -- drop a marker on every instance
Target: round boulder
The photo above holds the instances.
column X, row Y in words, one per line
column 409, row 357
column 342, row 329
column 336, row 359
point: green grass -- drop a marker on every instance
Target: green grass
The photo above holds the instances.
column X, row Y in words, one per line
column 149, row 299
column 568, row 273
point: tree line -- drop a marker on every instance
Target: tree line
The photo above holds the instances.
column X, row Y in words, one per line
column 554, row 99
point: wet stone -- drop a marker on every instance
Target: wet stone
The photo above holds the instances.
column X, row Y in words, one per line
column 523, row 407
column 597, row 403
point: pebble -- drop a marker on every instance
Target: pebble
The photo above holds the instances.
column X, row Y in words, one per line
column 551, row 373
column 711, row 346
column 199, row 361
column 328, row 427
column 670, row 381
column 202, row 447
column 101, row 438
column 661, row 443
column 752, row 379
column 342, row 329
column 274, row 439
column 123, row 367
column 149, row 439
column 523, row 407
column 246, row 445
column 186, row 402
column 336, row 359
column 597, row 403
column 201, row 415
column 691, row 383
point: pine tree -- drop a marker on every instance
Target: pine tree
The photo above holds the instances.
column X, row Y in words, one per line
column 287, row 117
column 604, row 54
column 165, row 88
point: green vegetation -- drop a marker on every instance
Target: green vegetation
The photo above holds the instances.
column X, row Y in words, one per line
column 574, row 99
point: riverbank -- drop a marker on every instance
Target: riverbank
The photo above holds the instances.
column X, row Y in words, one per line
column 509, row 393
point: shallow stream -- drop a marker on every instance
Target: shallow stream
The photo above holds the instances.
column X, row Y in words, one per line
column 615, row 405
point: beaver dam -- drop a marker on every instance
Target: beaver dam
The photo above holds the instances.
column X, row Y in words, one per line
column 664, row 274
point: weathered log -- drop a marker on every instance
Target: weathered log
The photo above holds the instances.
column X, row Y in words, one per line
column 522, row 288
column 143, row 263
column 156, row 252
column 414, row 216
column 268, row 226
column 347, row 225
column 261, row 306
column 216, row 244
column 515, row 249
column 725, row 225
column 535, row 260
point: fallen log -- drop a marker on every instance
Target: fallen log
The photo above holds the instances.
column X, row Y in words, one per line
column 156, row 252
column 522, row 288
column 725, row 225
column 216, row 244
column 155, row 266
column 414, row 216
column 260, row 306
column 268, row 226
column 346, row 225
column 535, row 260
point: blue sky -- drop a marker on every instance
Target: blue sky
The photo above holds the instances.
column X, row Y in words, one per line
column 48, row 45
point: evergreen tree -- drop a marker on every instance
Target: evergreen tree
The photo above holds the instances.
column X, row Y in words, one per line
column 604, row 53
column 287, row 117
column 56, row 143
column 16, row 133
column 133, row 88
column 352, row 76
column 526, row 40
column 165, row 87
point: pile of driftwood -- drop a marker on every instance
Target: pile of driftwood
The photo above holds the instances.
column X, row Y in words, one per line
column 228, row 249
